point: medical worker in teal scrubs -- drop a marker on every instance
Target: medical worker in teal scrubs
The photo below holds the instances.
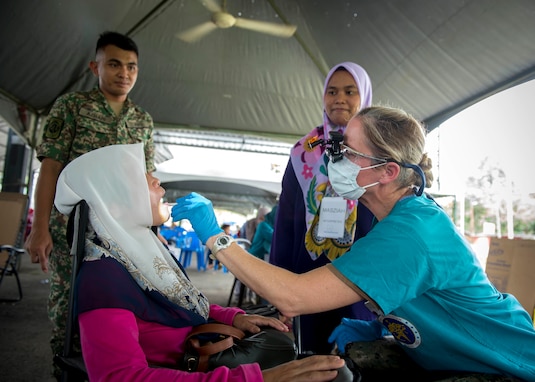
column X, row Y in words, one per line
column 414, row 268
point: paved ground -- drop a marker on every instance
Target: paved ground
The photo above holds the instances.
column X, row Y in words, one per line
column 25, row 355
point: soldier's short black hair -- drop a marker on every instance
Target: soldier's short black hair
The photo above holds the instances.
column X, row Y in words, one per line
column 117, row 39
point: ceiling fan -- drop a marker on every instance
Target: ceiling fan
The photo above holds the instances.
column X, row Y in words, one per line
column 222, row 19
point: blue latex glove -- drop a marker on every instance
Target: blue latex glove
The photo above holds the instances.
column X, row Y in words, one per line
column 353, row 330
column 199, row 211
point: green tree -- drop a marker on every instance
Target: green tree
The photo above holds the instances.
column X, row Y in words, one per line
column 487, row 195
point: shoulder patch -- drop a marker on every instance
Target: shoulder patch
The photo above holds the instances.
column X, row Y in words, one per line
column 53, row 128
column 402, row 330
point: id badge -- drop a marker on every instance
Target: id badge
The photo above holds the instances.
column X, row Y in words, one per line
column 332, row 217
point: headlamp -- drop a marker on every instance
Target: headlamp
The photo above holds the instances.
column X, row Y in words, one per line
column 332, row 146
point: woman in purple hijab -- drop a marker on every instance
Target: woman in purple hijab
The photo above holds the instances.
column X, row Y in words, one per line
column 299, row 244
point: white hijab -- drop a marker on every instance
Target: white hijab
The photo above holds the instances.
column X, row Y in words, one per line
column 112, row 181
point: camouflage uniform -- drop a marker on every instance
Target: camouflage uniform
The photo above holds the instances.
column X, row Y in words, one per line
column 78, row 123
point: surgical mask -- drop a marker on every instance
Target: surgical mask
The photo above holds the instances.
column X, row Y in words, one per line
column 343, row 178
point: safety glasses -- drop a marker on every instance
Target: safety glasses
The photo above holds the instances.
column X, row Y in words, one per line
column 353, row 155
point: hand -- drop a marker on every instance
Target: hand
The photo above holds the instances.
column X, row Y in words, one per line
column 315, row 368
column 353, row 330
column 199, row 211
column 289, row 321
column 38, row 245
column 251, row 323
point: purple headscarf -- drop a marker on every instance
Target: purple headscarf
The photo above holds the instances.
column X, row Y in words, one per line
column 364, row 84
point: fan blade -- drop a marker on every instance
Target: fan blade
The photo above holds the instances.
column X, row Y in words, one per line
column 211, row 5
column 280, row 30
column 197, row 32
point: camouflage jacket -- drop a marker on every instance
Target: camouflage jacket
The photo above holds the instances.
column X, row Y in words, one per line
column 80, row 122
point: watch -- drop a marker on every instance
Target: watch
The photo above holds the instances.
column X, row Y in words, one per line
column 222, row 242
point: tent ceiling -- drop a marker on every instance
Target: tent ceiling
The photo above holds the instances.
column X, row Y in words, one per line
column 430, row 57
column 240, row 198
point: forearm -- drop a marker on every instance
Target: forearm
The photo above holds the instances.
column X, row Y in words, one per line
column 44, row 192
column 273, row 286
column 293, row 294
column 224, row 314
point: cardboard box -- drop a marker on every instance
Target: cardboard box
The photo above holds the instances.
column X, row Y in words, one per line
column 511, row 268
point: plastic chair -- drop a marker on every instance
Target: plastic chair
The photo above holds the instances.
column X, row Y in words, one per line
column 14, row 209
column 190, row 245
column 217, row 263
column 10, row 268
column 173, row 235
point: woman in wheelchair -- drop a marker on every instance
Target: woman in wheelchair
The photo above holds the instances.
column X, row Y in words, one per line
column 135, row 303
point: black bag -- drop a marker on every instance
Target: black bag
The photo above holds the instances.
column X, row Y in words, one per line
column 212, row 345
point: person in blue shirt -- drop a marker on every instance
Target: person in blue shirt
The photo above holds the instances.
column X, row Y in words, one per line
column 261, row 244
column 416, row 271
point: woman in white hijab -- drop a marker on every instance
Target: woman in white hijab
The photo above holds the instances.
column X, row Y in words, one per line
column 135, row 303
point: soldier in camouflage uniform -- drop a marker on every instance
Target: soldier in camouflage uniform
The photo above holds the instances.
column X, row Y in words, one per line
column 78, row 123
